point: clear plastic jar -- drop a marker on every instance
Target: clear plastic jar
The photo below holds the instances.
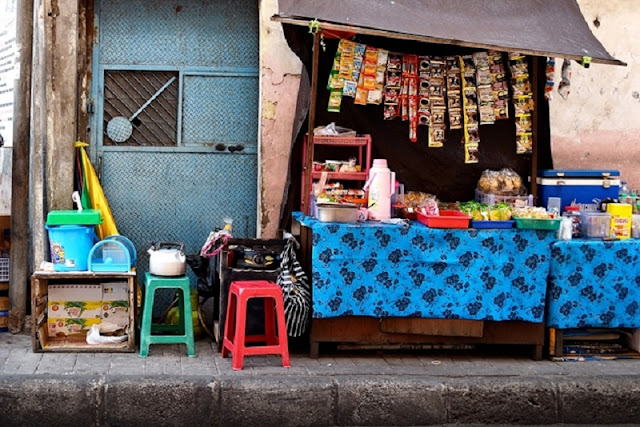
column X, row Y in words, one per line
column 573, row 212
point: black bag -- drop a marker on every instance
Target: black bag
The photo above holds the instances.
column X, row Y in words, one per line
column 296, row 291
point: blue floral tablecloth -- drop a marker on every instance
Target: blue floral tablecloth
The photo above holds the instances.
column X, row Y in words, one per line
column 383, row 270
column 594, row 284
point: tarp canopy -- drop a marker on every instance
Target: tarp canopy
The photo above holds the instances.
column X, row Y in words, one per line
column 554, row 28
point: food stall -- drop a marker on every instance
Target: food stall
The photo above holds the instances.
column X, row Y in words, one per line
column 385, row 282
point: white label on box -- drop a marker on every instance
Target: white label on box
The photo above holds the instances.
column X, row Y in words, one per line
column 115, row 291
column 75, row 292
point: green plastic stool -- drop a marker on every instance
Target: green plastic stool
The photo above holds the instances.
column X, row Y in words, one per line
column 183, row 328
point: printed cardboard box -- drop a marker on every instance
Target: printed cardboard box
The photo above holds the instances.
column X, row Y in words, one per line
column 115, row 303
column 60, row 327
column 74, row 309
column 76, row 292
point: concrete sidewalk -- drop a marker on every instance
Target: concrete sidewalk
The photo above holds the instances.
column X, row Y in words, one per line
column 374, row 388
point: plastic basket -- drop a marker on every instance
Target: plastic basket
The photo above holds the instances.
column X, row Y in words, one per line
column 4, row 269
column 538, row 223
column 446, row 219
column 514, row 201
column 492, row 224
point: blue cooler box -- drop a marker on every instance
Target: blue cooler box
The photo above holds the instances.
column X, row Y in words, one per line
column 581, row 185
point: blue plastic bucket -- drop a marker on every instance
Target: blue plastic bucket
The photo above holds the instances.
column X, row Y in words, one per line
column 70, row 246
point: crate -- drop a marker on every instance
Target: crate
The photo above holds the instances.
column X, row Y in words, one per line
column 513, row 201
column 538, row 223
column 4, row 269
column 43, row 342
column 446, row 219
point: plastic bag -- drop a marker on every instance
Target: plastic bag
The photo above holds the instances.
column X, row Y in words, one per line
column 504, row 182
column 332, row 130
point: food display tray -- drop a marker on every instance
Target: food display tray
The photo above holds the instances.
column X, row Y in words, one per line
column 538, row 223
column 492, row 224
column 446, row 219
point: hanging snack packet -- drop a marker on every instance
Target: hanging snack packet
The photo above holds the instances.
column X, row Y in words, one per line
column 485, row 92
column 524, row 143
column 349, row 89
column 469, row 101
column 454, row 92
column 335, row 99
column 522, row 101
column 550, row 71
column 437, row 103
column 523, row 104
column 565, row 83
column 471, row 153
column 523, row 124
column 424, row 109
column 335, row 70
column 361, row 92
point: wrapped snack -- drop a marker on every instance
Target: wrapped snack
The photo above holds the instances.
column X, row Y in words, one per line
column 503, row 182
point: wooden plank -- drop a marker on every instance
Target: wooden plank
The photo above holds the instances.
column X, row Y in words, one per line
column 312, row 117
column 427, row 39
column 419, row 326
column 535, row 123
column 366, row 330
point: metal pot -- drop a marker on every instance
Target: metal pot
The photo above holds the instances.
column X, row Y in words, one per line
column 167, row 259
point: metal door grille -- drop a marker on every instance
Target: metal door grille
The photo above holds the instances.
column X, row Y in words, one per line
column 126, row 91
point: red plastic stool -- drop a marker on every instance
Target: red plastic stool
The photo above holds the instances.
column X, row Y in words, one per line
column 235, row 323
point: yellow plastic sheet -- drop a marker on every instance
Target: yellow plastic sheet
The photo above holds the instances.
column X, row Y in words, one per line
column 93, row 196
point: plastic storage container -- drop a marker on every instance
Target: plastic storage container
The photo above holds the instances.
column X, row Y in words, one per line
column 492, row 224
column 538, row 223
column 515, row 201
column 74, row 217
column 70, row 246
column 579, row 185
column 446, row 219
column 337, row 213
column 109, row 255
column 595, row 225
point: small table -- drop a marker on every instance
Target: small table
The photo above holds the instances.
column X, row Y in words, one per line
column 593, row 284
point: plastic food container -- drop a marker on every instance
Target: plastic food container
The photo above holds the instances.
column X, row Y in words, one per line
column 337, row 213
column 538, row 223
column 492, row 224
column 595, row 225
column 446, row 219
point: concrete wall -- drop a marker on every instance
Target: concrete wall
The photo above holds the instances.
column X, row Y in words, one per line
column 280, row 77
column 597, row 126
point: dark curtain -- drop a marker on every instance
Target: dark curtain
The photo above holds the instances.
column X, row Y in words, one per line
column 439, row 171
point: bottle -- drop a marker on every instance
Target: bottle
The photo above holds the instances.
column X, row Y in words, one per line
column 623, row 192
column 573, row 212
column 381, row 185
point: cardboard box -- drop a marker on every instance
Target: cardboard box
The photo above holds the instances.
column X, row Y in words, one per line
column 115, row 303
column 115, row 291
column 91, row 292
column 74, row 309
column 60, row 327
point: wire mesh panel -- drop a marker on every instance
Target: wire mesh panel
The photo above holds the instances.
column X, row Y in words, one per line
column 125, row 93
column 220, row 109
column 212, row 33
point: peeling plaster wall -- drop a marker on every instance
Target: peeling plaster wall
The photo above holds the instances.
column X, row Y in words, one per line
column 597, row 126
column 280, row 78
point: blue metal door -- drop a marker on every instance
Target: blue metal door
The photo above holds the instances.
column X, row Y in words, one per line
column 184, row 75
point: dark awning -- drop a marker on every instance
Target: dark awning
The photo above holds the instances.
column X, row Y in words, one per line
column 554, row 28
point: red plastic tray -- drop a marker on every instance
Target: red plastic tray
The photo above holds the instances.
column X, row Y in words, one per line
column 446, row 219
